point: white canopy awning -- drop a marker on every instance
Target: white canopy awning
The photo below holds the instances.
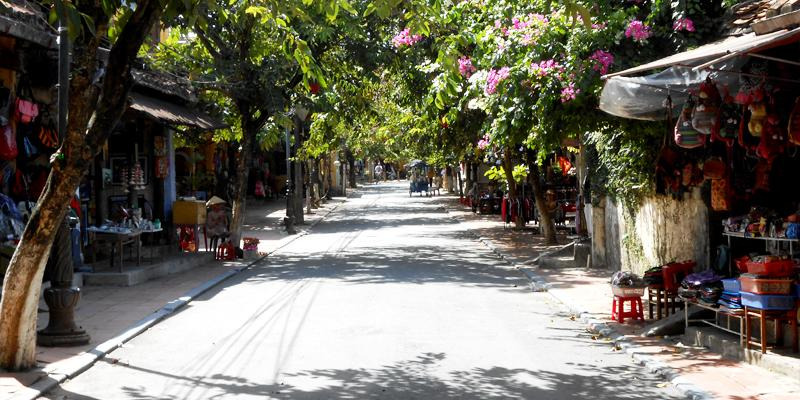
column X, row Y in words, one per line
column 644, row 97
column 717, row 52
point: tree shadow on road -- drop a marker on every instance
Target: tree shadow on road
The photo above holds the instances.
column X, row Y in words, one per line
column 421, row 378
column 421, row 265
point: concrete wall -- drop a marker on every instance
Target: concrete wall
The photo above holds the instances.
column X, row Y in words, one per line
column 661, row 230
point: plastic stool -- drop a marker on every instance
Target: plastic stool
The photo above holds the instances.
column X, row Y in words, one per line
column 618, row 312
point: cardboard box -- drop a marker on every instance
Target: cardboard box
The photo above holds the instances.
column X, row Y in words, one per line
column 188, row 212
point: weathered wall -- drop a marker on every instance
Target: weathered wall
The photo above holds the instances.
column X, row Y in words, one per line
column 662, row 230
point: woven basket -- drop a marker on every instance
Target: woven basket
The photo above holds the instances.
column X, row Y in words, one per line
column 627, row 291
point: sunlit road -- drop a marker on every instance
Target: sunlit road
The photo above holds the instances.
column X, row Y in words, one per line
column 388, row 298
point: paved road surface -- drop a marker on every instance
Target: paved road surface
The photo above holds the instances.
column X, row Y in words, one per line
column 388, row 298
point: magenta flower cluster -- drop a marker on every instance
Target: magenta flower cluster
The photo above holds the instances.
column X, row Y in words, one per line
column 518, row 24
column 405, row 38
column 569, row 92
column 603, row 61
column 494, row 78
column 544, row 68
column 637, row 30
column 484, row 143
column 465, row 67
column 683, row 24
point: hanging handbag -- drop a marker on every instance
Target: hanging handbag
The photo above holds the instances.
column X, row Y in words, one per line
column 686, row 136
column 8, row 144
column 793, row 131
column 714, row 168
column 758, row 119
column 720, row 195
column 48, row 136
column 705, row 116
column 25, row 109
column 28, row 148
column 730, row 123
column 773, row 140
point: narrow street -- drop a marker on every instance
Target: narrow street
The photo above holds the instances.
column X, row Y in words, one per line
column 389, row 297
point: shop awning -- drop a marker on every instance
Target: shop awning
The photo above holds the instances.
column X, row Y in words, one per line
column 719, row 51
column 172, row 113
column 644, row 97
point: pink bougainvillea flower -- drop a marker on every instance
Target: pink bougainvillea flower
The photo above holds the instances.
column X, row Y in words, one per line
column 465, row 67
column 544, row 68
column 683, row 24
column 637, row 30
column 484, row 143
column 519, row 24
column 527, row 39
column 494, row 78
column 538, row 18
column 603, row 61
column 405, row 38
column 569, row 92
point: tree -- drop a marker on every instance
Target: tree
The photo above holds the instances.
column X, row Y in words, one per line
column 94, row 110
column 261, row 59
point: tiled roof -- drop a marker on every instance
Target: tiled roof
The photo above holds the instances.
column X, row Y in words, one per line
column 743, row 15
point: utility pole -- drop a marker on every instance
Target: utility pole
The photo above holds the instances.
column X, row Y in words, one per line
column 61, row 297
column 288, row 220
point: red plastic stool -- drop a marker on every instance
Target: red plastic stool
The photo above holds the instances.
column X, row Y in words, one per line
column 618, row 312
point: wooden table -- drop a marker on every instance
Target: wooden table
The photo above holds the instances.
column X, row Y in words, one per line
column 118, row 240
column 779, row 317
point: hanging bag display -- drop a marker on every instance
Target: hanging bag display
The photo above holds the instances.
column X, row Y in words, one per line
column 720, row 195
column 705, row 116
column 47, row 134
column 793, row 131
column 758, row 113
column 25, row 109
column 8, row 144
column 730, row 122
column 714, row 168
column 773, row 139
column 686, row 136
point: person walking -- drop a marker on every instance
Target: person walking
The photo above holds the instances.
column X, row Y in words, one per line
column 378, row 172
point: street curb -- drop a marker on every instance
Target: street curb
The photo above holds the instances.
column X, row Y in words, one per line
column 87, row 360
column 539, row 284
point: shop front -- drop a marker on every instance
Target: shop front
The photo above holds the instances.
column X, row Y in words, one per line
column 128, row 196
column 723, row 229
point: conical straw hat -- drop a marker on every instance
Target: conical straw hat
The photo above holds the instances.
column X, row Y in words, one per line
column 214, row 200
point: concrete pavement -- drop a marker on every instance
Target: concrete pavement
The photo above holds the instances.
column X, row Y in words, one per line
column 110, row 314
column 586, row 293
column 388, row 298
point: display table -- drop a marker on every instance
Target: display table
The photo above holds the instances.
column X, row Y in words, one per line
column 767, row 241
column 762, row 316
column 117, row 240
column 718, row 313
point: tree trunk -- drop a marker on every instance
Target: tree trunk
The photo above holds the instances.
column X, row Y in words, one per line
column 299, row 213
column 239, row 199
column 582, row 230
column 351, row 173
column 92, row 116
column 508, row 168
column 546, row 224
column 314, row 168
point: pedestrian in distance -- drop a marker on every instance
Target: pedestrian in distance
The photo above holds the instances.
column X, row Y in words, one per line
column 378, row 173
column 216, row 221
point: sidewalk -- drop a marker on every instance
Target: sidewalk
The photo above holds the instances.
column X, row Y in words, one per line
column 695, row 371
column 112, row 315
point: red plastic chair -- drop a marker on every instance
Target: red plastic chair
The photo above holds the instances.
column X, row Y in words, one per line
column 673, row 274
